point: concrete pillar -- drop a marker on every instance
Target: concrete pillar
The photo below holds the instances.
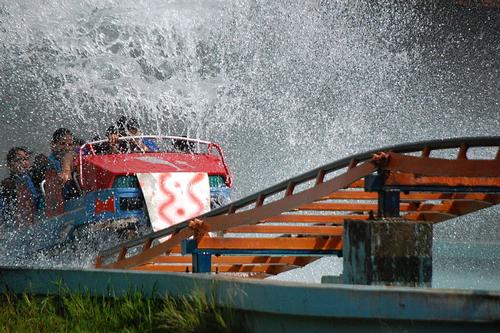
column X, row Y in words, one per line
column 388, row 252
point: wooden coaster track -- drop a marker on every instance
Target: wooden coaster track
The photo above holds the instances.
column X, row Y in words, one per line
column 300, row 220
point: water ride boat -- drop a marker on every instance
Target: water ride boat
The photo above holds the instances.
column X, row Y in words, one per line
column 134, row 192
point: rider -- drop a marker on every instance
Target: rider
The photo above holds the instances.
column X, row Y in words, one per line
column 61, row 161
column 139, row 145
column 121, row 124
column 113, row 145
column 20, row 198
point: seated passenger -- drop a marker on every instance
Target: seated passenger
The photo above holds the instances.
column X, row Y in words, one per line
column 113, row 145
column 98, row 147
column 61, row 161
column 121, row 125
column 184, row 146
column 138, row 145
column 21, row 200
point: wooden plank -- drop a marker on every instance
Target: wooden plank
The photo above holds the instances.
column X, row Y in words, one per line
column 413, row 196
column 278, row 243
column 429, row 216
column 413, row 180
column 163, row 268
column 292, row 260
column 469, row 206
column 345, row 207
column 296, row 218
column 360, row 183
column 459, row 207
column 448, row 170
column 455, row 207
column 351, row 195
column 284, row 229
column 270, row 269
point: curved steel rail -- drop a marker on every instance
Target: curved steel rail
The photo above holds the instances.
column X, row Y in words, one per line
column 244, row 215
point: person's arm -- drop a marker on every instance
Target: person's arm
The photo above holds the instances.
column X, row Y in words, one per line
column 67, row 166
column 39, row 169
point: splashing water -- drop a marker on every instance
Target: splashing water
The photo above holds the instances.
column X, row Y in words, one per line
column 283, row 87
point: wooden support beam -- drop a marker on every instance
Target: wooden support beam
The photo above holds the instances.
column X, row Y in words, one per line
column 434, row 217
column 285, row 229
column 296, row 218
column 426, row 152
column 319, row 177
column 345, row 207
column 406, row 179
column 269, row 269
column 462, row 152
column 289, row 189
column 163, row 268
column 466, row 207
column 122, row 253
column 278, row 243
column 235, row 259
column 351, row 195
column 448, row 169
column 447, row 206
column 414, row 196
column 260, row 200
column 360, row 183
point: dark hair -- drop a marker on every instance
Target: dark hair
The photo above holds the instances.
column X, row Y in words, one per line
column 132, row 123
column 122, row 125
column 12, row 154
column 111, row 130
column 78, row 141
column 59, row 134
column 184, row 146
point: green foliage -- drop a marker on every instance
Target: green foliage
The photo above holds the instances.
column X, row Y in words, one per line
column 195, row 313
column 71, row 312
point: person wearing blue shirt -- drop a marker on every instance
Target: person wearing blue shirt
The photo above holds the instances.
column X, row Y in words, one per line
column 140, row 145
column 61, row 161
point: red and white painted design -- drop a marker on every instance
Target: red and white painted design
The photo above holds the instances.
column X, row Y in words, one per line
column 173, row 197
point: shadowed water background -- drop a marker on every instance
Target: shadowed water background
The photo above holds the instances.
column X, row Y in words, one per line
column 283, row 86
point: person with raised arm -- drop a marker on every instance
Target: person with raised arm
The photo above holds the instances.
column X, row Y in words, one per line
column 61, row 161
column 114, row 145
column 139, row 145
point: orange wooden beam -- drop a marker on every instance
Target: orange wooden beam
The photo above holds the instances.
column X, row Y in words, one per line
column 351, row 195
column 227, row 259
column 278, row 243
column 284, row 229
column 270, row 269
column 345, row 207
column 413, row 196
column 292, row 218
column 163, row 268
column 429, row 216
column 360, row 183
column 407, row 179
column 438, row 167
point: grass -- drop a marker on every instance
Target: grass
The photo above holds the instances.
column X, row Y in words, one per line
column 68, row 312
